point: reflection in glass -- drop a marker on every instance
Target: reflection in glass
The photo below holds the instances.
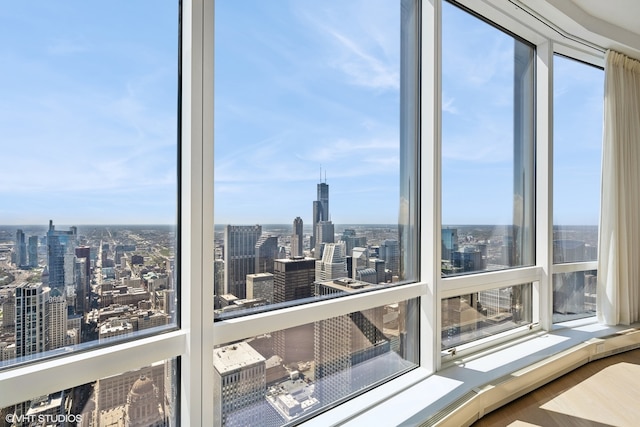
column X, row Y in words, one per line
column 288, row 375
column 574, row 295
column 487, row 146
column 144, row 397
column 471, row 317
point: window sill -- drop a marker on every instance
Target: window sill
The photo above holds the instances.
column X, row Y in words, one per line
column 475, row 385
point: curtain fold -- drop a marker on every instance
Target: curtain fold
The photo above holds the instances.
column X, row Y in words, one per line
column 618, row 294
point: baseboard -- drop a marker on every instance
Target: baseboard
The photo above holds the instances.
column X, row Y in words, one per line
column 482, row 400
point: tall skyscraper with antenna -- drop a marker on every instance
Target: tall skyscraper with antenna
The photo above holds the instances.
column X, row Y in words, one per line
column 321, row 218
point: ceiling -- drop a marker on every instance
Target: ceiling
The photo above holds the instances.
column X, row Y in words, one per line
column 621, row 13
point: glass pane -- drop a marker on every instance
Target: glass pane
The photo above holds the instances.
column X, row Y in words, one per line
column 470, row 317
column 144, row 397
column 308, row 148
column 291, row 374
column 89, row 211
column 574, row 295
column 577, row 154
column 487, row 146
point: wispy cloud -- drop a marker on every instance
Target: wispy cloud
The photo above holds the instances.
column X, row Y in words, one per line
column 358, row 43
column 447, row 105
column 363, row 68
column 67, row 47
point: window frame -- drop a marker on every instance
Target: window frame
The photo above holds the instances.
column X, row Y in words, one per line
column 188, row 342
column 197, row 335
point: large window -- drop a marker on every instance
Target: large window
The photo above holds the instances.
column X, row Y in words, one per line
column 310, row 166
column 89, row 201
column 360, row 204
column 488, row 199
column 488, row 180
column 307, row 149
column 577, row 147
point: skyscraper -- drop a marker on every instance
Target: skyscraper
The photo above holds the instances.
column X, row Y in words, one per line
column 57, row 325
column 83, row 278
column 449, row 243
column 33, row 251
column 239, row 257
column 342, row 342
column 59, row 243
column 324, row 234
column 352, row 241
column 297, row 238
column 260, row 285
column 239, row 385
column 32, row 319
column 390, row 253
column 333, row 264
column 266, row 253
column 320, row 212
column 293, row 280
column 21, row 249
column 360, row 260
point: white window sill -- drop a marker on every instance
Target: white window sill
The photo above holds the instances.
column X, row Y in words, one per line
column 416, row 397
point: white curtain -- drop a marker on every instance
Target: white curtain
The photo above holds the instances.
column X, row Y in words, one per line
column 618, row 299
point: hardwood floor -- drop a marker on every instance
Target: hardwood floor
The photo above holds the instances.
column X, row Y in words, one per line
column 602, row 393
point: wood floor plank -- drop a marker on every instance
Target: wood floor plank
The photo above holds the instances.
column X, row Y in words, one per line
column 602, row 393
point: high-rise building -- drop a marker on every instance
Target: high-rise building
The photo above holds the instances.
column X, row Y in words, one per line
column 260, row 285
column 266, row 253
column 32, row 319
column 333, row 264
column 352, row 241
column 325, row 233
column 389, row 251
column 59, row 244
column 320, row 211
column 379, row 266
column 33, row 251
column 239, row 385
column 469, row 258
column 8, row 312
column 83, row 278
column 359, row 261
column 57, row 326
column 342, row 342
column 297, row 242
column 449, row 242
column 239, row 257
column 21, row 249
column 293, row 279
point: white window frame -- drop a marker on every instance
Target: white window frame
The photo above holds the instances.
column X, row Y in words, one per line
column 194, row 341
column 191, row 341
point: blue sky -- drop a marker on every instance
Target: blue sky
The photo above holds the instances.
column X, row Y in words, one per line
column 302, row 86
column 88, row 114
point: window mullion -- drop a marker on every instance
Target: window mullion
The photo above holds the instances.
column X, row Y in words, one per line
column 543, row 302
column 22, row 384
column 430, row 172
column 196, row 254
column 242, row 327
